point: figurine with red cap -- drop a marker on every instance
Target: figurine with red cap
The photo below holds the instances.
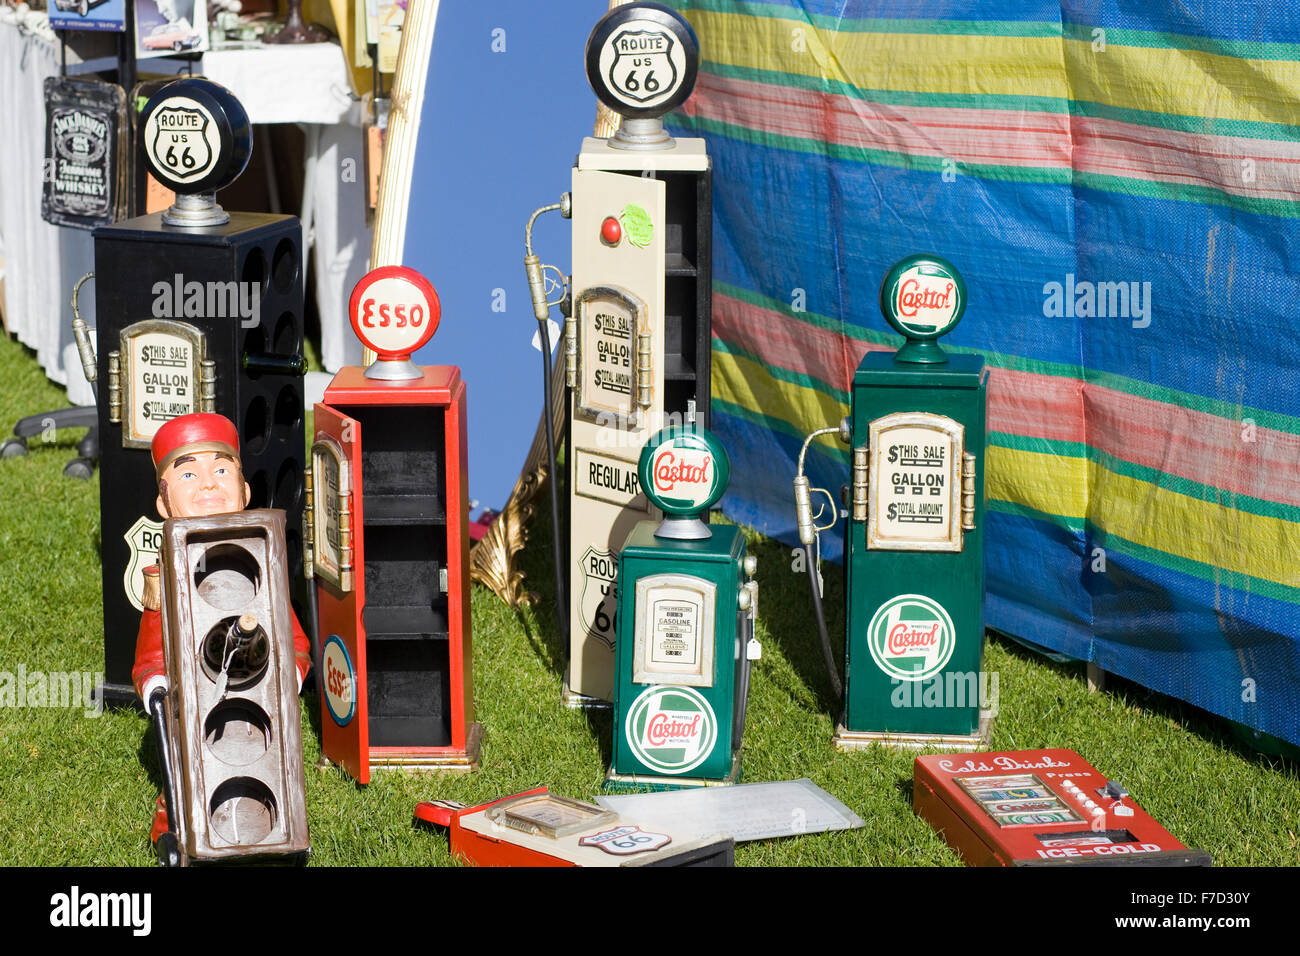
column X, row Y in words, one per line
column 196, row 458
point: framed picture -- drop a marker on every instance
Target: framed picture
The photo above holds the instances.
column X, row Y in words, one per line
column 164, row 27
column 88, row 15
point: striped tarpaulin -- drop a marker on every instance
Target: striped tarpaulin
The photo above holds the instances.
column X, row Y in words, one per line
column 1121, row 191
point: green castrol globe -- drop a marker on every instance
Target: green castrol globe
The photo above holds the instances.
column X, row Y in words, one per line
column 684, row 470
column 923, row 297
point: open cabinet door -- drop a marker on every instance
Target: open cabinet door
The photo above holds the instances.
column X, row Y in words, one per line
column 338, row 567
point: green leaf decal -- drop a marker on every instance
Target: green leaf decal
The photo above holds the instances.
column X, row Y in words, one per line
column 636, row 222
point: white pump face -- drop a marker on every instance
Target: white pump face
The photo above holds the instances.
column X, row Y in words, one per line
column 618, row 288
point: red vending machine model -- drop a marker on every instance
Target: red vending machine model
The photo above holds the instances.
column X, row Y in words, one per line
column 1037, row 808
column 389, row 545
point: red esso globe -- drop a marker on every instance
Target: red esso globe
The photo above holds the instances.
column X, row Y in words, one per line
column 611, row 231
column 394, row 311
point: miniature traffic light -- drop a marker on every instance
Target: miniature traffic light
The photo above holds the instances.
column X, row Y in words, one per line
column 233, row 725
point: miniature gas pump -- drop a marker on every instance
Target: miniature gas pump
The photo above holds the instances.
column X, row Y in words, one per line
column 388, row 544
column 686, row 625
column 637, row 329
column 197, row 309
column 914, row 552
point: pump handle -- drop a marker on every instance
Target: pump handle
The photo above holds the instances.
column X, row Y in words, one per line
column 537, row 287
column 85, row 350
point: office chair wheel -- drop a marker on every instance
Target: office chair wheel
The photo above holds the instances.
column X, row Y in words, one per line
column 81, row 468
column 13, row 448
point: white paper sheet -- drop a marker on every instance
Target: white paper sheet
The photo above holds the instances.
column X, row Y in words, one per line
column 749, row 811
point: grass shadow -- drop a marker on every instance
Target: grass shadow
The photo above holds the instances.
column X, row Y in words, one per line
column 785, row 612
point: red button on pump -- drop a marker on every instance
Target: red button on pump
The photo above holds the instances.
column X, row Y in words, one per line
column 611, row 231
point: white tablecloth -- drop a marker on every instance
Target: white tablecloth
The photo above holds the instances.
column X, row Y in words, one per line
column 305, row 84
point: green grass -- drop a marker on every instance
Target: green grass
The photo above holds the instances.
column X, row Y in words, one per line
column 78, row 790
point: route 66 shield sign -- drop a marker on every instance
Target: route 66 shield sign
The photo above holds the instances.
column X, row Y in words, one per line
column 644, row 66
column 183, row 143
column 626, row 840
column 599, row 569
column 144, row 538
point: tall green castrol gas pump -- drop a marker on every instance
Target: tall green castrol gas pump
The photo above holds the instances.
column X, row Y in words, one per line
column 914, row 549
column 686, row 608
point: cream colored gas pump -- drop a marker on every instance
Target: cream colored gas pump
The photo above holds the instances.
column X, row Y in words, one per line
column 636, row 338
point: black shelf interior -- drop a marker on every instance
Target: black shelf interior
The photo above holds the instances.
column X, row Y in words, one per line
column 403, row 509
column 677, row 369
column 676, row 264
column 408, row 687
column 403, row 622
column 403, row 516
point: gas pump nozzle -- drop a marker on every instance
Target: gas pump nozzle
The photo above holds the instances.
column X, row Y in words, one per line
column 81, row 333
column 537, row 290
column 535, row 269
column 809, row 534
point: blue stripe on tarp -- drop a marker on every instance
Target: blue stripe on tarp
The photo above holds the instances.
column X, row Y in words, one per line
column 1228, row 651
column 1237, row 22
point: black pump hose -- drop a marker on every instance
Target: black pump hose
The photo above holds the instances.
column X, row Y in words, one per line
column 813, row 583
column 561, row 592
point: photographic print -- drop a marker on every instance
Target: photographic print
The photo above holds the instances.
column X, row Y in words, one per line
column 163, row 27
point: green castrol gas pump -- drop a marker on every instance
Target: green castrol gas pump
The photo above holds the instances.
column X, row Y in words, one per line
column 914, row 548
column 686, row 609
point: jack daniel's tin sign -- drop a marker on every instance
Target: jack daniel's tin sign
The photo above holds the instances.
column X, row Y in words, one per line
column 83, row 172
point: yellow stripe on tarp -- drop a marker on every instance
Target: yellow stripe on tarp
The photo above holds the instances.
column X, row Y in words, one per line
column 749, row 384
column 1051, row 484
column 1150, row 79
column 1203, row 531
column 1011, row 66
column 1132, row 509
column 1185, row 82
column 1146, row 514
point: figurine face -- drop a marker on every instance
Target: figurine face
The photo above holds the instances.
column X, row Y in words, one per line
column 205, row 483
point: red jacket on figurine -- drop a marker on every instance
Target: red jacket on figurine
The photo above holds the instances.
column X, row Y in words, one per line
column 196, row 457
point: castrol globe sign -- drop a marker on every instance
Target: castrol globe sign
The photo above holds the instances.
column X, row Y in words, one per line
column 684, row 470
column 923, row 296
column 911, row 637
column 394, row 311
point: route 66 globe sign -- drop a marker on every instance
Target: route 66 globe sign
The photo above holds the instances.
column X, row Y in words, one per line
column 196, row 140
column 923, row 297
column 642, row 59
column 197, row 137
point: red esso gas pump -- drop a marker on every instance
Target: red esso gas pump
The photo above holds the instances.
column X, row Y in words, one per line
column 388, row 544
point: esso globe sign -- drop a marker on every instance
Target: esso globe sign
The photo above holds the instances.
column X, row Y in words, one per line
column 684, row 472
column 394, row 311
column 923, row 296
column 642, row 60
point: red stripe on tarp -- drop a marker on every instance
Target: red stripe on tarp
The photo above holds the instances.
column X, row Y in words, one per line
column 1005, row 137
column 1237, row 457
